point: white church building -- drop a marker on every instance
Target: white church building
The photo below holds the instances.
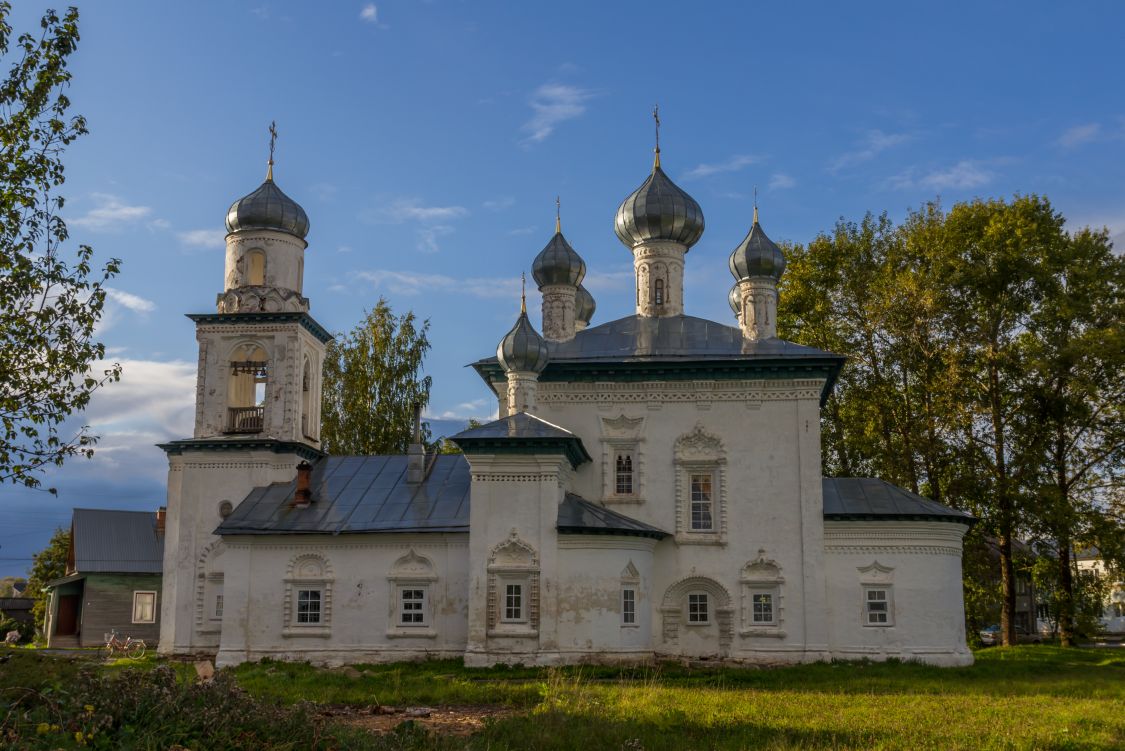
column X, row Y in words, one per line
column 652, row 487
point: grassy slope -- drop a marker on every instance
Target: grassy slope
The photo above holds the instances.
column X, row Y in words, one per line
column 1023, row 697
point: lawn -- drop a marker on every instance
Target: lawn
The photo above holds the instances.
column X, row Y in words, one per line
column 1029, row 697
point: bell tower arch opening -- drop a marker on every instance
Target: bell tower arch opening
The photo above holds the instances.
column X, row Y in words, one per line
column 246, row 389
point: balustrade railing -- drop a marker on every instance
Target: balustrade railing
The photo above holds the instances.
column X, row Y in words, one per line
column 245, row 419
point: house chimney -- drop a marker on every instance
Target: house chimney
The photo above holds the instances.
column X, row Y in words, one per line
column 161, row 518
column 303, row 496
column 416, row 454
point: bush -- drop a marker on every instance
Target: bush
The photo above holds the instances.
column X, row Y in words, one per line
column 27, row 630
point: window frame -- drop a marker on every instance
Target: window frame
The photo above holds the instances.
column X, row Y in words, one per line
column 629, row 606
column 887, row 601
column 152, row 616
column 709, row 503
column 298, row 591
column 771, row 593
column 701, row 598
column 419, row 606
column 698, row 452
column 217, row 611
column 628, row 475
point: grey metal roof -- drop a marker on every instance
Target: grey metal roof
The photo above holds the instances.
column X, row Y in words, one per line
column 519, row 425
column 116, row 542
column 522, row 348
column 354, row 494
column 855, row 498
column 757, row 255
column 268, row 208
column 659, row 210
column 522, row 433
column 558, row 263
column 584, row 305
column 577, row 516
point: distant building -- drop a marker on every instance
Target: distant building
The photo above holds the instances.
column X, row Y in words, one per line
column 651, row 488
column 1113, row 617
column 17, row 608
column 113, row 579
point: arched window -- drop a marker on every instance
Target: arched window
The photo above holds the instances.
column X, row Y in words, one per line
column 256, row 268
column 246, row 390
column 658, row 296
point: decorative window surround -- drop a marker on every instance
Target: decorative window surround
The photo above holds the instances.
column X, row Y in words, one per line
column 513, row 563
column 144, row 606
column 675, row 605
column 208, row 586
column 700, row 453
column 877, row 606
column 698, row 609
column 411, row 574
column 622, row 437
column 308, row 573
column 762, row 577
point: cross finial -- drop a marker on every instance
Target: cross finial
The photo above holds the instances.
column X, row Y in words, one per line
column 656, row 120
column 558, row 215
column 523, row 292
column 755, row 204
column 273, row 143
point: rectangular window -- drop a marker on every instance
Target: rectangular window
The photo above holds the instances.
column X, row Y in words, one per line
column 878, row 607
column 513, row 603
column 762, row 607
column 1021, row 586
column 701, row 519
column 697, row 609
column 628, row 606
column 412, row 606
column 218, row 606
column 308, row 606
column 623, row 476
column 144, row 607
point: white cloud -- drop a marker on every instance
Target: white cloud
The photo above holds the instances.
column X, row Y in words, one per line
column 874, row 143
column 159, row 224
column 523, row 231
column 369, row 13
column 964, row 175
column 203, row 238
column 499, row 204
column 733, row 164
column 428, row 237
column 110, row 213
column 551, row 104
column 1079, row 135
column 415, row 283
column 409, row 209
column 128, row 300
column 601, row 281
column 477, row 408
column 781, row 181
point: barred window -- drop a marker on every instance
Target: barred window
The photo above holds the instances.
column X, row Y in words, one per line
column 697, row 608
column 308, row 606
column 412, row 606
column 878, row 607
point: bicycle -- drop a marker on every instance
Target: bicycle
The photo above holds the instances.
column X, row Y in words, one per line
column 130, row 647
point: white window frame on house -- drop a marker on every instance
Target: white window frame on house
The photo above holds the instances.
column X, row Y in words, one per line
column 630, row 583
column 762, row 576
column 306, row 613
column 412, row 572
column 624, row 473
column 698, row 454
column 870, row 614
column 137, row 595
column 217, row 612
column 513, row 563
column 701, row 491
column 622, row 437
column 308, row 572
column 629, row 606
column 513, row 606
column 763, row 607
column 697, row 604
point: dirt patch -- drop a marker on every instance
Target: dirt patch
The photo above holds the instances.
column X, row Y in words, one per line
column 459, row 721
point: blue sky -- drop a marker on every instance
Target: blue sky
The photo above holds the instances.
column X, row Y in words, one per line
column 427, row 142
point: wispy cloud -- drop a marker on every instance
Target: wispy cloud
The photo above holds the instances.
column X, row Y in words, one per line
column 109, row 213
column 499, row 204
column 1080, row 134
column 159, row 224
column 781, row 181
column 203, row 238
column 415, row 283
column 135, row 303
column 324, row 191
column 603, row 281
column 476, row 408
column 733, row 164
column 874, row 143
column 523, row 231
column 551, row 104
column 964, row 175
column 410, row 209
column 369, row 13
column 428, row 237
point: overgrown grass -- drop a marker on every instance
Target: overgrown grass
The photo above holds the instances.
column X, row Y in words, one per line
column 1013, row 698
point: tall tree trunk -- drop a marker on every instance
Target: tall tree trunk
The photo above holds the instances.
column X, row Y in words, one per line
column 1005, row 511
column 1066, row 593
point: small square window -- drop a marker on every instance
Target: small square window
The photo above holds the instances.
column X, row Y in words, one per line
column 878, row 604
column 697, row 609
column 762, row 603
column 628, row 607
column 513, row 603
column 144, row 607
column 308, row 606
column 701, row 509
column 412, row 606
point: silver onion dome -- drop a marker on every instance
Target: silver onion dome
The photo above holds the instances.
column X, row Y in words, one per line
column 558, row 263
column 522, row 349
column 757, row 255
column 584, row 306
column 734, row 297
column 659, row 210
column 268, row 208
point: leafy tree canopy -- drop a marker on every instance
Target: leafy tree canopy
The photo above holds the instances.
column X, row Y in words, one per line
column 47, row 565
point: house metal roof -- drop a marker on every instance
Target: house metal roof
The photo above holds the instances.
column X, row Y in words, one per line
column 577, row 516
column 522, row 433
column 868, row 498
column 124, row 542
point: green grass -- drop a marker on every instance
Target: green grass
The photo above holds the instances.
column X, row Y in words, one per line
column 1029, row 697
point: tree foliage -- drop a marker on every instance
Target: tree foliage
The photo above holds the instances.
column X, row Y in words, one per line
column 986, row 361
column 50, row 299
column 47, row 565
column 372, row 379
